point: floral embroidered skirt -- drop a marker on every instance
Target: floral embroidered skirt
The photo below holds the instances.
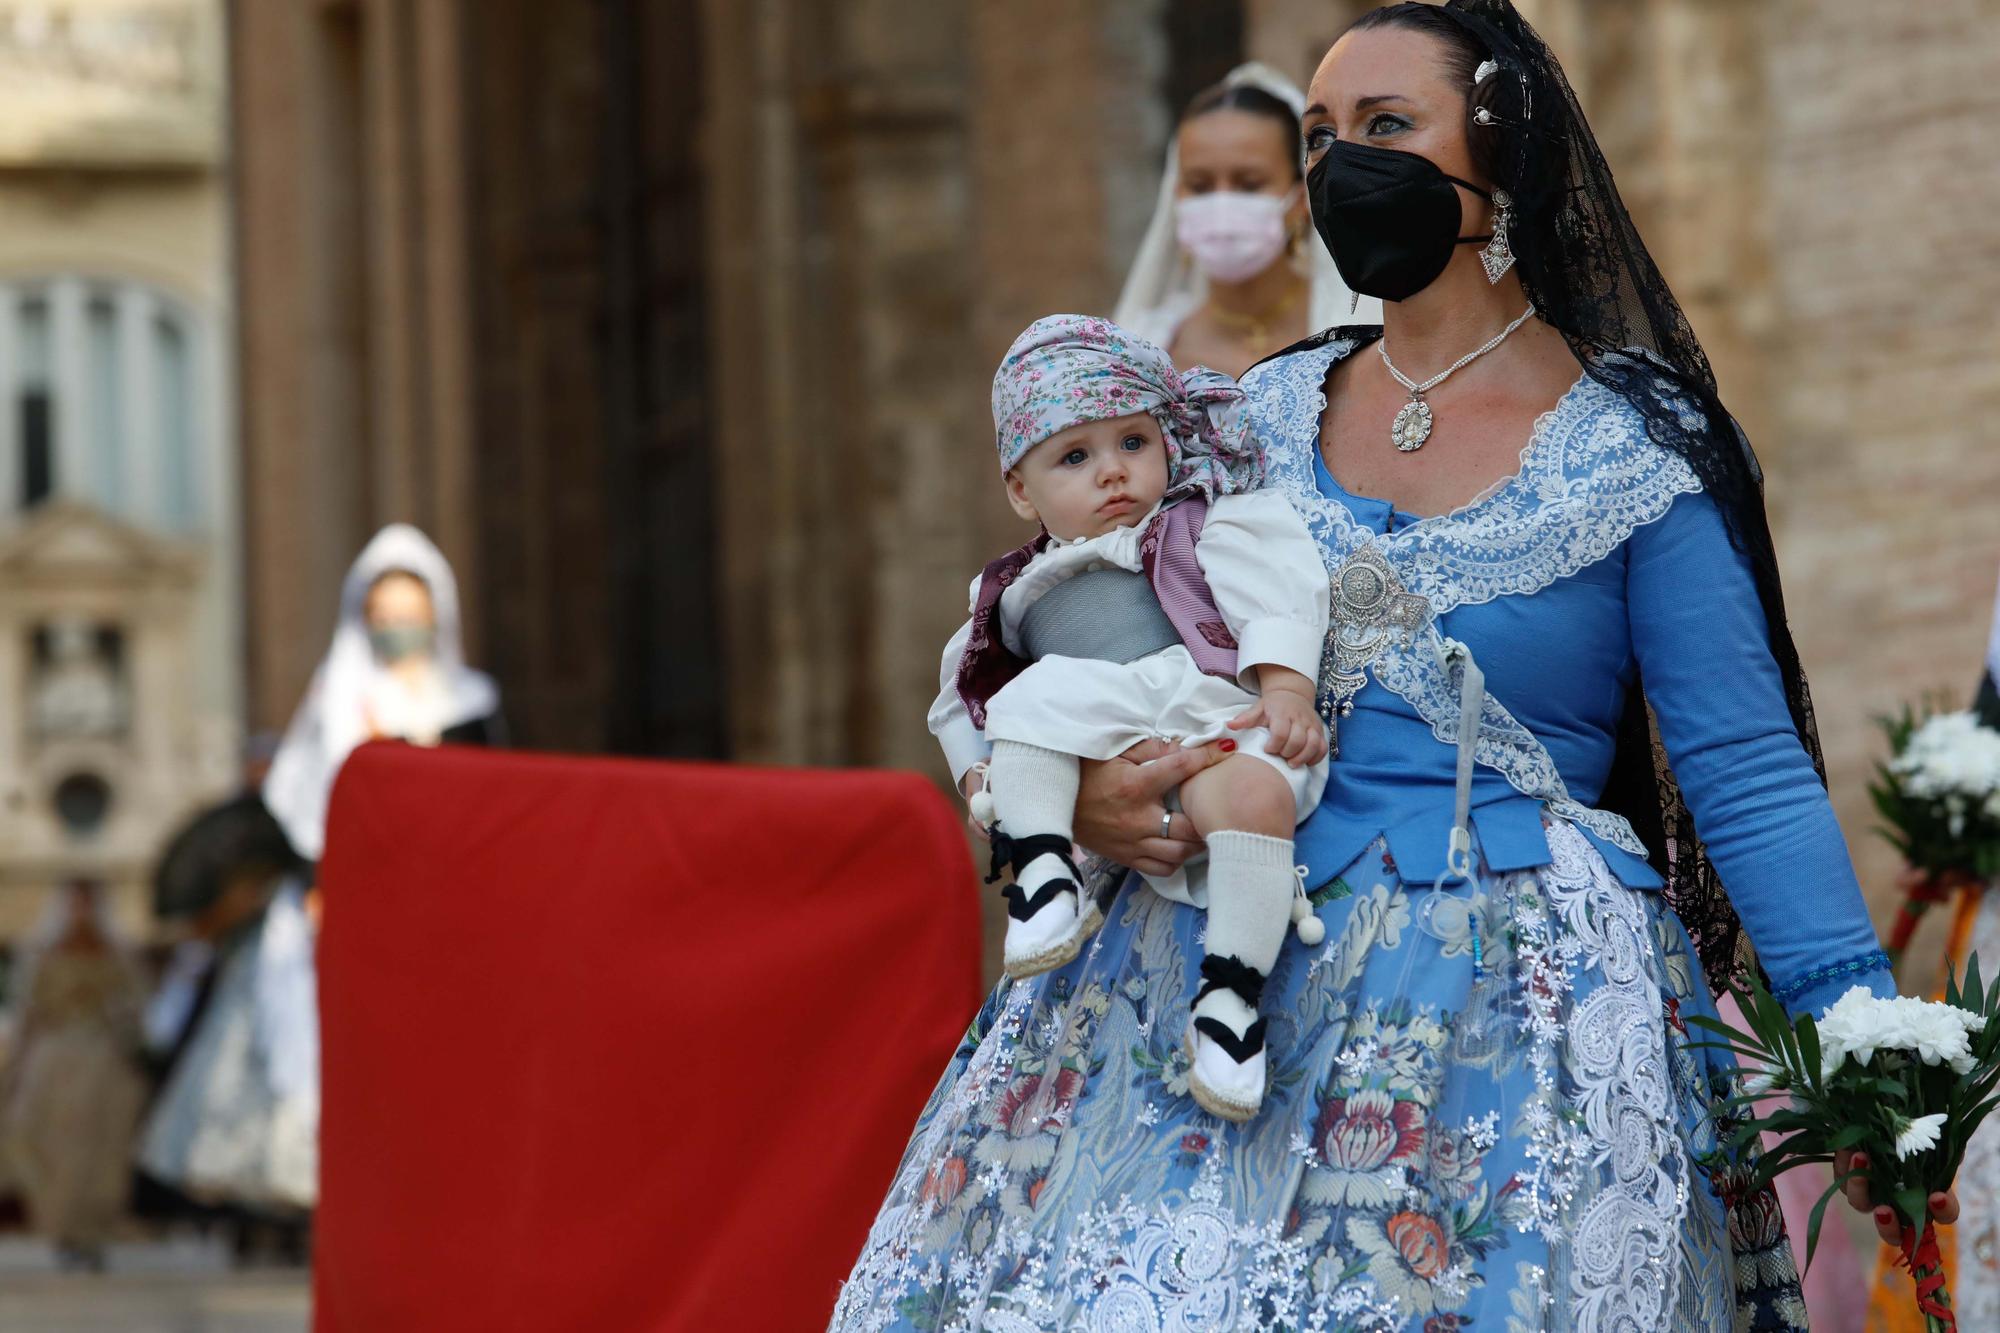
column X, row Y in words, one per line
column 1524, row 1143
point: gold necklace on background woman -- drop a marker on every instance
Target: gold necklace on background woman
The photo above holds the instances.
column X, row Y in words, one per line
column 1257, row 331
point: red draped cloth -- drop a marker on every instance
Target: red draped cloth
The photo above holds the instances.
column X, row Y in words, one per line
column 617, row 1046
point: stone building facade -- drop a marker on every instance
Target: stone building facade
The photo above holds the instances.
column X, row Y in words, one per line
column 120, row 660
column 673, row 321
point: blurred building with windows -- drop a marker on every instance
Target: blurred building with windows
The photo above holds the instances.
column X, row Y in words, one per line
column 673, row 320
column 120, row 601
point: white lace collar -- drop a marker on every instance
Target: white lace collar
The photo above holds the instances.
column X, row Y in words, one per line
column 1589, row 476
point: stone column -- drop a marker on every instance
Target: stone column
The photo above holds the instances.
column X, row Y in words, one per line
column 355, row 334
column 139, row 411
column 10, row 399
column 851, row 441
column 69, row 379
column 302, row 350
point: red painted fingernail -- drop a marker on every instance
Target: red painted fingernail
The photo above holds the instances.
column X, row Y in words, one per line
column 1883, row 1216
column 1227, row 746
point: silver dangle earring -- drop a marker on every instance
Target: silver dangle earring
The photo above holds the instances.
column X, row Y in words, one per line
column 1498, row 256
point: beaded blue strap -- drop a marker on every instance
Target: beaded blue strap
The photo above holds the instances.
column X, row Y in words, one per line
column 1868, row 962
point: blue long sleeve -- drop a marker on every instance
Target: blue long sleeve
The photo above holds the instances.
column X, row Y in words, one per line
column 1703, row 649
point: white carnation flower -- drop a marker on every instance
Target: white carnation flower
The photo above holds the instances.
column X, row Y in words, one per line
column 1950, row 755
column 1858, row 1025
column 1918, row 1135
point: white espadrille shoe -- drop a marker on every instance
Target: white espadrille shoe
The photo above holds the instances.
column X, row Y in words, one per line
column 1049, row 915
column 1227, row 1069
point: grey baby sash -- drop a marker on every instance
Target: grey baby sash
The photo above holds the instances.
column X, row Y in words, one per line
column 1113, row 615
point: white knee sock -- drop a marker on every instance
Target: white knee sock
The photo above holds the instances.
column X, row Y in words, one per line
column 1250, row 892
column 1034, row 792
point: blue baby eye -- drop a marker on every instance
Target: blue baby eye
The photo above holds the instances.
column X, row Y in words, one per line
column 1074, row 457
column 1135, row 442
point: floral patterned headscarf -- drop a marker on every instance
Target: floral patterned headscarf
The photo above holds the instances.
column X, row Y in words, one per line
column 1065, row 370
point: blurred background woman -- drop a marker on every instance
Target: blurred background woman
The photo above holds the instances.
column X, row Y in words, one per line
column 1225, row 275
column 233, row 1032
column 73, row 1090
column 396, row 670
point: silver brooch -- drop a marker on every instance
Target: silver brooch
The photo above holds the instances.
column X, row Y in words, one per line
column 1370, row 609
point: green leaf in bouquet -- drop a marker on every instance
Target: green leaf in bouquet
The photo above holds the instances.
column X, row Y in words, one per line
column 1847, row 1137
column 1819, row 1214
column 1893, row 1088
column 1768, row 1165
column 1807, row 1035
column 1911, row 1202
column 1972, row 986
column 1767, row 1019
column 1722, row 1029
column 1781, row 1123
column 1744, row 1138
column 1964, row 1123
column 1751, row 1059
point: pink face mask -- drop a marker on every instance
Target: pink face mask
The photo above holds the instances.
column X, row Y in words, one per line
column 1232, row 235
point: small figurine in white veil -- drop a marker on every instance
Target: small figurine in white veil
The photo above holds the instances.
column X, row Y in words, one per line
column 396, row 671
column 72, row 1091
column 1230, row 270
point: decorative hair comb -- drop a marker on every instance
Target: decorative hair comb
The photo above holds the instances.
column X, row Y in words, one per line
column 1486, row 67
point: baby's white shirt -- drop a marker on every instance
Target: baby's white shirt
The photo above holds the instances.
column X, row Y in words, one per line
column 1262, row 567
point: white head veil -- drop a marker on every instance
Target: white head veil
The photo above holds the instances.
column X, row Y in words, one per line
column 332, row 720
column 1164, row 287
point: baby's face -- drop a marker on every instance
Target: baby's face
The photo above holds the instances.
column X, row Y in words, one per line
column 1092, row 478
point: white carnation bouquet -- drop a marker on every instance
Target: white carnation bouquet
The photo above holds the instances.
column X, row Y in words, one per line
column 1902, row 1081
column 1939, row 798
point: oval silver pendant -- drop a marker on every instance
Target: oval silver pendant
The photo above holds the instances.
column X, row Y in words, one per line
column 1412, row 426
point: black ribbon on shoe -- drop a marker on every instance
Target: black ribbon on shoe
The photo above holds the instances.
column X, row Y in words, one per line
column 1019, row 853
column 1228, row 972
column 1236, row 1048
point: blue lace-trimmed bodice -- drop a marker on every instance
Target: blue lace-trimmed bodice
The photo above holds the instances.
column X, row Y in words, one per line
column 1599, row 560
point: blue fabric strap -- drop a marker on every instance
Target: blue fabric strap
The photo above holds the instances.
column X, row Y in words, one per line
column 1798, row 986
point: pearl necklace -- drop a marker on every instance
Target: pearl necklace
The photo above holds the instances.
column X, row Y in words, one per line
column 1413, row 423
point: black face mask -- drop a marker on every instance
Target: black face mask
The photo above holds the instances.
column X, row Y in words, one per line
column 1391, row 219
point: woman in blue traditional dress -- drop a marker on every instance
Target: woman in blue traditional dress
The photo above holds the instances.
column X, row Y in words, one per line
column 1486, row 1107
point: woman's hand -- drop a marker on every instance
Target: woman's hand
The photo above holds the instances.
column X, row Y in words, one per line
column 1943, row 1204
column 1934, row 888
column 1122, row 800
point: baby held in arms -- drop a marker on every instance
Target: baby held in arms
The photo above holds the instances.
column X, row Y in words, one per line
column 1167, row 597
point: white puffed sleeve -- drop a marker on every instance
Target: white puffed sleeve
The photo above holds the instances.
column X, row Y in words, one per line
column 1265, row 571
column 962, row 742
